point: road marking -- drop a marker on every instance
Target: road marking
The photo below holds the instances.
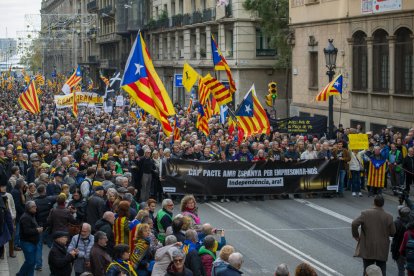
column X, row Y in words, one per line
column 296, row 253
column 292, row 229
column 324, row 210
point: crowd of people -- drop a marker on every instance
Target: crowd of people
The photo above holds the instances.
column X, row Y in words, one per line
column 88, row 187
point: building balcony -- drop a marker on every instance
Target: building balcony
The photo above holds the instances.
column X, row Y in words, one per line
column 177, row 20
column 197, row 17
column 92, row 6
column 92, row 59
column 209, row 15
column 108, row 38
column 109, row 10
column 265, row 52
column 229, row 10
column 108, row 63
column 187, row 19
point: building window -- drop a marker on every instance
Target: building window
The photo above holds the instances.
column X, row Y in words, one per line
column 403, row 62
column 229, row 43
column 377, row 128
column 355, row 123
column 263, row 45
column 380, row 61
column 313, row 70
column 173, row 8
column 180, row 7
column 359, row 62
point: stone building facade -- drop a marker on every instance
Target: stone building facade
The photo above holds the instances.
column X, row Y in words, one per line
column 375, row 56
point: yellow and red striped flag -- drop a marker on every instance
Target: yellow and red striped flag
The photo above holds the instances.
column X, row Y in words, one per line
column 143, row 84
column 40, row 80
column 29, row 100
column 220, row 63
column 376, row 173
column 251, row 116
column 177, row 131
column 104, row 79
column 203, row 91
column 215, row 107
column 190, row 105
column 219, row 91
column 202, row 121
column 75, row 105
column 72, row 81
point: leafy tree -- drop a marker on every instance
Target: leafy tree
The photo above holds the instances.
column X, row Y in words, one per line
column 274, row 16
column 33, row 55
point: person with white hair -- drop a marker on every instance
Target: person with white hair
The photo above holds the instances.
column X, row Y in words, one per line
column 164, row 218
column 234, row 266
column 83, row 242
column 282, row 270
column 163, row 255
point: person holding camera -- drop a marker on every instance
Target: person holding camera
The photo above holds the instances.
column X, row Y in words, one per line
column 60, row 261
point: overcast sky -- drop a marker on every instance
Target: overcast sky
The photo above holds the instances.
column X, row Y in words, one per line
column 12, row 15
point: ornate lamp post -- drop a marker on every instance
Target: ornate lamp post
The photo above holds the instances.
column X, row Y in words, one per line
column 330, row 60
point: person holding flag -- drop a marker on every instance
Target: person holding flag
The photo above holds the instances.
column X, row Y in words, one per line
column 377, row 169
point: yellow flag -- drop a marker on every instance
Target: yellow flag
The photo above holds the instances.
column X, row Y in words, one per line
column 190, row 76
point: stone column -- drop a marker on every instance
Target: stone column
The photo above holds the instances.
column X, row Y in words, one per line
column 187, row 42
column 177, row 54
column 168, row 49
column 208, row 47
column 370, row 70
column 391, row 70
column 197, row 47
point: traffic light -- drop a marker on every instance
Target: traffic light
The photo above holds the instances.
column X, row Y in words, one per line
column 269, row 100
column 273, row 89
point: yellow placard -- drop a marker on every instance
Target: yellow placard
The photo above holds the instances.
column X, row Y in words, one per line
column 83, row 99
column 358, row 141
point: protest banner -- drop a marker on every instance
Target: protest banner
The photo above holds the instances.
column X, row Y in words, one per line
column 300, row 125
column 83, row 99
column 358, row 141
column 249, row 178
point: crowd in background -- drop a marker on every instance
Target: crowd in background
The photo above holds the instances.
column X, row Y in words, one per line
column 88, row 187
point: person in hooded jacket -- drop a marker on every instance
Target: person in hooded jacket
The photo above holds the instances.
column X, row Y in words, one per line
column 163, row 256
column 206, row 253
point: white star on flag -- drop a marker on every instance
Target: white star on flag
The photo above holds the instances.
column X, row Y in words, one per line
column 248, row 109
column 336, row 83
column 139, row 66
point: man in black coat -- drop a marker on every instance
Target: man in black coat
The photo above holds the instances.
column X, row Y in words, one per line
column 18, row 197
column 408, row 165
column 105, row 225
column 29, row 236
column 60, row 262
column 96, row 207
column 44, row 204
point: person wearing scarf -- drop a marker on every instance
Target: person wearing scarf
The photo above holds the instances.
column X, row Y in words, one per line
column 121, row 263
column 141, row 257
column 189, row 208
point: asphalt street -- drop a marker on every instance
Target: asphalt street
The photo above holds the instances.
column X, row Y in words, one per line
column 290, row 231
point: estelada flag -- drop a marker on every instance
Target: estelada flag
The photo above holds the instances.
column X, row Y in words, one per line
column 376, row 173
column 29, row 100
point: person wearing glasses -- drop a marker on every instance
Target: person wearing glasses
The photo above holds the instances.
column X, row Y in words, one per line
column 176, row 267
column 164, row 218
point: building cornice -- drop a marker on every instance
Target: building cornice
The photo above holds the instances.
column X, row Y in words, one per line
column 352, row 18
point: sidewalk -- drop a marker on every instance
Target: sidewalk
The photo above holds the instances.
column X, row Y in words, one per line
column 4, row 265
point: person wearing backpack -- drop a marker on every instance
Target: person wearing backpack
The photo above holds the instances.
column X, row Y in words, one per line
column 400, row 226
column 407, row 248
column 86, row 185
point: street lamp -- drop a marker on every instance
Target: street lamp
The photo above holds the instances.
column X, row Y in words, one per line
column 330, row 60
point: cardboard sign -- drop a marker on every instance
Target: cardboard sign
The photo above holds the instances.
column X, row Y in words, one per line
column 358, row 141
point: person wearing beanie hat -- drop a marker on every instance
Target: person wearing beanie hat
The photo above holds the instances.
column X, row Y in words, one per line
column 96, row 207
column 60, row 261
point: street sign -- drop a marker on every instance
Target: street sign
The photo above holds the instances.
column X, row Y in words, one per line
column 178, row 80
